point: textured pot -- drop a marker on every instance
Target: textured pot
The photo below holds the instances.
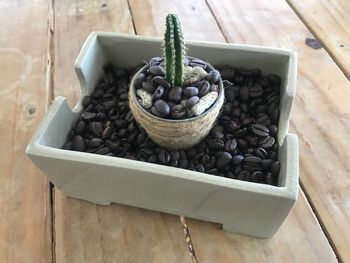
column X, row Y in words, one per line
column 243, row 207
column 176, row 134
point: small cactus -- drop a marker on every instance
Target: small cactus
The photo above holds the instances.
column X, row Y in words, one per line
column 174, row 50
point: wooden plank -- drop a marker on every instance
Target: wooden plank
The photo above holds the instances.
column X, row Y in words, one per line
column 300, row 239
column 329, row 21
column 86, row 232
column 91, row 233
column 321, row 111
column 211, row 244
column 195, row 14
column 25, row 217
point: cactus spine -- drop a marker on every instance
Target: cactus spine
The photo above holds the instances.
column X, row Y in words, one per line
column 174, row 50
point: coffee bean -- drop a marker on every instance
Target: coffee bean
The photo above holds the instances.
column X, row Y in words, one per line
column 121, row 123
column 88, row 116
column 273, row 130
column 215, row 144
column 230, row 145
column 124, row 96
column 244, row 93
column 243, row 144
column 158, row 93
column 80, row 128
column 244, row 107
column 97, row 93
column 183, row 163
column 244, row 175
column 255, row 176
column 164, row 157
column 153, row 159
column 223, row 159
column 252, row 159
column 103, row 151
column 260, row 152
column 231, row 126
column 162, row 107
column 96, row 128
column 157, row 70
column 161, row 82
column 175, row 94
column 237, row 159
column 94, row 142
column 145, row 152
column 263, row 119
column 256, row 91
column 275, row 168
column 112, row 145
column 204, row 88
column 229, row 94
column 129, row 117
column 67, row 146
column 260, row 130
column 275, row 80
column 275, row 115
column 266, row 164
column 141, row 137
column 217, row 132
column 86, row 101
column 270, row 178
column 190, row 91
column 236, row 112
column 267, row 142
column 200, row 168
column 175, row 155
column 191, row 101
column 178, row 111
column 78, row 143
column 123, row 133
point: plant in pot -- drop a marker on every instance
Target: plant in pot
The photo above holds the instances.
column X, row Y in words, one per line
column 238, row 130
column 176, row 99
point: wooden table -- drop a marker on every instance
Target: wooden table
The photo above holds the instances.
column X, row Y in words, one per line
column 39, row 41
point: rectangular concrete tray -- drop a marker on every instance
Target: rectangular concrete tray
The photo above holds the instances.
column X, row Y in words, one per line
column 242, row 207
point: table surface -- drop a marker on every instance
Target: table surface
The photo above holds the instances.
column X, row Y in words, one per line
column 39, row 41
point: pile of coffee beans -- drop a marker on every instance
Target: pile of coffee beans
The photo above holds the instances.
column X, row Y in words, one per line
column 242, row 144
column 159, row 97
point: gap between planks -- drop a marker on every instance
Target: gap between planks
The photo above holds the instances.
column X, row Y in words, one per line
column 49, row 86
column 320, row 222
column 319, row 39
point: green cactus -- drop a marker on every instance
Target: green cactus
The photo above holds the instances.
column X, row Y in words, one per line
column 174, row 50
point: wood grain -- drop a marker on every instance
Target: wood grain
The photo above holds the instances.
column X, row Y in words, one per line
column 25, row 217
column 300, row 239
column 295, row 239
column 86, row 232
column 74, row 21
column 91, row 233
column 329, row 21
column 199, row 23
column 321, row 113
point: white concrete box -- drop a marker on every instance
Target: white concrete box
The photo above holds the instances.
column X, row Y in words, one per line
column 242, row 207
